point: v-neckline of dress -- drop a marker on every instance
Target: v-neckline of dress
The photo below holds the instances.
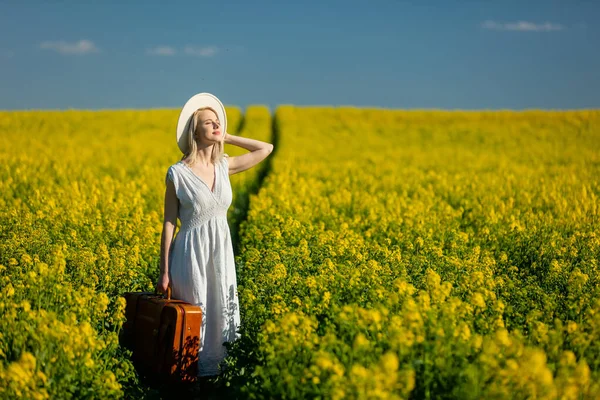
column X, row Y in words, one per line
column 213, row 191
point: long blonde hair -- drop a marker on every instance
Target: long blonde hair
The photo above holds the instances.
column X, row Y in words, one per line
column 218, row 148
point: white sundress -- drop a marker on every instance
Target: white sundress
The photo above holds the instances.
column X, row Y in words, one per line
column 201, row 260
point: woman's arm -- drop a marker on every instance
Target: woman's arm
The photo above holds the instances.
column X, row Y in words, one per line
column 258, row 152
column 169, row 225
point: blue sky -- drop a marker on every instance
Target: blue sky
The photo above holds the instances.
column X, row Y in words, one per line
column 468, row 54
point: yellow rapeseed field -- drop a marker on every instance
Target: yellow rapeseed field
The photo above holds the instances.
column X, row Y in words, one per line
column 81, row 203
column 387, row 254
column 425, row 254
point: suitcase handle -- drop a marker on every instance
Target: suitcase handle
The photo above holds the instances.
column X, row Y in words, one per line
column 165, row 295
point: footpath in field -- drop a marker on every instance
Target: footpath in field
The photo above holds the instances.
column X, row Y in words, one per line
column 397, row 254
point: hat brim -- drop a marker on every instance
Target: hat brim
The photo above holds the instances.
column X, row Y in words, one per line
column 195, row 102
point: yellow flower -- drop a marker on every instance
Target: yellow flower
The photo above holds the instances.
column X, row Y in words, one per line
column 360, row 341
column 389, row 362
column 26, row 305
column 89, row 363
column 101, row 303
column 568, row 358
column 463, row 332
column 582, row 372
column 502, row 337
column 404, row 288
column 570, row 392
column 22, row 371
column 477, row 300
column 359, row 371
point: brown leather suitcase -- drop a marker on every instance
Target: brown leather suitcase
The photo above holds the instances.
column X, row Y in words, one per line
column 163, row 334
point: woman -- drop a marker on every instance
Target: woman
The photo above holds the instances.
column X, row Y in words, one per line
column 199, row 263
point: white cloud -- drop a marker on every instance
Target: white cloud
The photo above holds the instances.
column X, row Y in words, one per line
column 161, row 51
column 80, row 47
column 208, row 51
column 522, row 26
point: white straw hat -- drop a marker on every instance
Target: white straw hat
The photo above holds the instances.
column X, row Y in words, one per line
column 195, row 102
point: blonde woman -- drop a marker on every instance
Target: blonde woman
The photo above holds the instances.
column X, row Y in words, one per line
column 199, row 263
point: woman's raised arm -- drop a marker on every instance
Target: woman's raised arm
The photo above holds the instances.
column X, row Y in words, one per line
column 258, row 151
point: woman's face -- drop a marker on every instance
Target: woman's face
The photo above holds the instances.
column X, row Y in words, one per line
column 208, row 127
